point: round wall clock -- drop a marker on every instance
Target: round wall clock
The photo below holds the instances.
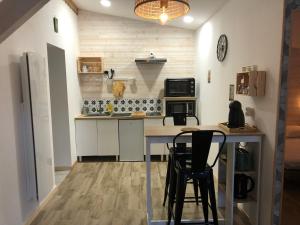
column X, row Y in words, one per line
column 222, row 47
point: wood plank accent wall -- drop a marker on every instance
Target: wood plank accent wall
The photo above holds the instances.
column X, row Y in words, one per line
column 119, row 41
column 293, row 112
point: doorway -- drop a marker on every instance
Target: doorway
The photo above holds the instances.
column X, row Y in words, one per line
column 59, row 111
column 291, row 181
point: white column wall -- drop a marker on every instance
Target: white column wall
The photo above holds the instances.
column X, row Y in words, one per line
column 254, row 31
column 33, row 36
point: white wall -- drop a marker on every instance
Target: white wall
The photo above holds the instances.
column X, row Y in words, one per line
column 15, row 12
column 254, row 30
column 32, row 36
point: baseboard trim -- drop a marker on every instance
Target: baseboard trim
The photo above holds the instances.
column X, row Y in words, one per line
column 63, row 168
column 39, row 208
column 42, row 204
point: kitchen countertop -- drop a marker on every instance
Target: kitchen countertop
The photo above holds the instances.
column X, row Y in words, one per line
column 83, row 117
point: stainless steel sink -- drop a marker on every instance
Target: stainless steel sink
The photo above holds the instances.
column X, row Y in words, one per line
column 120, row 114
column 98, row 114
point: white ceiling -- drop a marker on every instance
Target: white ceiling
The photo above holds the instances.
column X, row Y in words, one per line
column 201, row 10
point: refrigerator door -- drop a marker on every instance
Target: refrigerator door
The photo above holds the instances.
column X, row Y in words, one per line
column 37, row 104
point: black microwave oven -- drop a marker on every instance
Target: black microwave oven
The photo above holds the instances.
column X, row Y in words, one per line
column 187, row 107
column 180, row 87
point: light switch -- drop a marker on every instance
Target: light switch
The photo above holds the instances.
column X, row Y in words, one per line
column 209, row 76
column 231, row 92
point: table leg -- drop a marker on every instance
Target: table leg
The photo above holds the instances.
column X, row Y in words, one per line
column 148, row 182
column 221, row 181
column 230, row 183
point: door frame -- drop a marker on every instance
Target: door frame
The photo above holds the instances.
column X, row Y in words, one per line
column 289, row 6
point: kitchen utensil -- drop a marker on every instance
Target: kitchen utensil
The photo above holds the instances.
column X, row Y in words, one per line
column 112, row 73
column 118, row 88
column 85, row 69
column 85, row 110
column 243, row 160
column 243, row 184
column 138, row 114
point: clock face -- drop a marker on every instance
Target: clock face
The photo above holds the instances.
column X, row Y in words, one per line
column 222, row 47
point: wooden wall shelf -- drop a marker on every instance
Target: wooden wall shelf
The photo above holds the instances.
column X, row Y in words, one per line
column 89, row 65
column 252, row 83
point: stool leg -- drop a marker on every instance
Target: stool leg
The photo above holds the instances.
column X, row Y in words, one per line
column 213, row 198
column 204, row 197
column 167, row 181
column 172, row 191
column 195, row 184
column 180, row 194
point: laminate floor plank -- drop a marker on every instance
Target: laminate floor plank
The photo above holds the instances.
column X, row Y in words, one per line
column 111, row 193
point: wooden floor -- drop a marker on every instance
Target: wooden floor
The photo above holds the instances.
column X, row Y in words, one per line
column 110, row 193
column 291, row 198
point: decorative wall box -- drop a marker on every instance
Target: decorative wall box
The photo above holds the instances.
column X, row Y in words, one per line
column 251, row 83
column 89, row 65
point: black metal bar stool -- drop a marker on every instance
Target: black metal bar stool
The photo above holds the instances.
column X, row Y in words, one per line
column 179, row 119
column 194, row 167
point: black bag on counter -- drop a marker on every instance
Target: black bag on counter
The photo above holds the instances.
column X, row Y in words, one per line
column 236, row 116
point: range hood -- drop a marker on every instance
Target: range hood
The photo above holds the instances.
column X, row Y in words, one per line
column 151, row 60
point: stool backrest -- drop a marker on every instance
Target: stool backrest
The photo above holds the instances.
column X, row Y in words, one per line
column 180, row 119
column 201, row 143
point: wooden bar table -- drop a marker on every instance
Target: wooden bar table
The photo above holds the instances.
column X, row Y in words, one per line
column 226, row 171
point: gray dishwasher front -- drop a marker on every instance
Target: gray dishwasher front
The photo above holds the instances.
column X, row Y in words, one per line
column 131, row 140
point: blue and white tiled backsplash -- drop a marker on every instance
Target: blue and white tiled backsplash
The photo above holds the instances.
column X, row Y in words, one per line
column 126, row 105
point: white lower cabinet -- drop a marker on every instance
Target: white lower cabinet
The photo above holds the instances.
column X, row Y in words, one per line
column 97, row 138
column 116, row 137
column 108, row 137
column 156, row 149
column 86, row 137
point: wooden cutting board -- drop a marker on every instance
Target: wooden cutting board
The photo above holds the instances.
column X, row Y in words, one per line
column 245, row 129
column 138, row 114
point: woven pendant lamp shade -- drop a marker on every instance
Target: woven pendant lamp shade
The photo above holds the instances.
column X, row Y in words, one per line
column 152, row 9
